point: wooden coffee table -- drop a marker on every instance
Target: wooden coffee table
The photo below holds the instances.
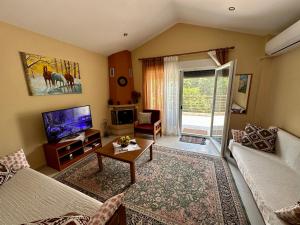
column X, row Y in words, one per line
column 128, row 157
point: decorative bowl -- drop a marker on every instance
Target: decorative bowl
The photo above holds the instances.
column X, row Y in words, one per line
column 124, row 141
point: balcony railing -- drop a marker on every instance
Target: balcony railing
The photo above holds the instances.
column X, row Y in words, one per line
column 203, row 104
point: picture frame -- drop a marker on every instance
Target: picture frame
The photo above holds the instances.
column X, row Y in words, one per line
column 111, row 72
column 50, row 76
column 241, row 93
column 244, row 82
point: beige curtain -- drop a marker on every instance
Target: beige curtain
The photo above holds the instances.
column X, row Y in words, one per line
column 153, row 84
column 171, row 95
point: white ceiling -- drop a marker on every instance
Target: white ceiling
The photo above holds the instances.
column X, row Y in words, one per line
column 98, row 25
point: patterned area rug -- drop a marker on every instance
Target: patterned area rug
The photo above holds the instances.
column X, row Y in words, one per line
column 176, row 187
column 193, row 139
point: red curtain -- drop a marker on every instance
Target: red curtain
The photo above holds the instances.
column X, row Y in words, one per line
column 222, row 55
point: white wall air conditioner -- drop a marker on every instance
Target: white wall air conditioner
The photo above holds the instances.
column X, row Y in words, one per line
column 285, row 41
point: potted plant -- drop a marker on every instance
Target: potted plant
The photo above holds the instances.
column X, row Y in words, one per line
column 110, row 102
column 135, row 96
column 124, row 141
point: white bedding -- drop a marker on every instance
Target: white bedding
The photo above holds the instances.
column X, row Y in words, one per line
column 30, row 196
column 274, row 185
column 274, row 179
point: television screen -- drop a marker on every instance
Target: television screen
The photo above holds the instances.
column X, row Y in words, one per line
column 66, row 122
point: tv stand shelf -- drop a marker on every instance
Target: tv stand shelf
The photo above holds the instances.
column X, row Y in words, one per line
column 61, row 155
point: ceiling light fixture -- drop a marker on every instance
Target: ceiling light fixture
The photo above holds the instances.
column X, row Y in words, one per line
column 125, row 34
column 231, row 8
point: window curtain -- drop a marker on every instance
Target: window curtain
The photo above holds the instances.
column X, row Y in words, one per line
column 171, row 95
column 153, row 78
column 222, row 55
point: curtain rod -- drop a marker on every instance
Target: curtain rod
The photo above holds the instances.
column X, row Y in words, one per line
column 186, row 53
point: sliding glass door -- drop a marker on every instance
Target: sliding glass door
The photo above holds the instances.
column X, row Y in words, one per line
column 196, row 102
column 221, row 105
column 206, row 97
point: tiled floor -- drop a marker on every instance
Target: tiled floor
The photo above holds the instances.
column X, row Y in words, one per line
column 200, row 123
column 173, row 142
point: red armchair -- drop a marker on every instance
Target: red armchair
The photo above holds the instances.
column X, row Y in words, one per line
column 153, row 128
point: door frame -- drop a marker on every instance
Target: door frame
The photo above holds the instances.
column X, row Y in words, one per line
column 180, row 100
column 223, row 146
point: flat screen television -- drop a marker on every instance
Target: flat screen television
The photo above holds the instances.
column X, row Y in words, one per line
column 67, row 122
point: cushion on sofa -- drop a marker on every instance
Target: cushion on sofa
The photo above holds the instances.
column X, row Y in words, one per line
column 273, row 183
column 260, row 138
column 106, row 210
column 237, row 135
column 144, row 127
column 144, row 117
column 6, row 173
column 290, row 214
column 16, row 160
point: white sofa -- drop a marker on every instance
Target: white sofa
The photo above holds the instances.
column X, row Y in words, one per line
column 30, row 195
column 274, row 179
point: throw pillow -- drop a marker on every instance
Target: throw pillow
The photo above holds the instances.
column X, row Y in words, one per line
column 68, row 219
column 5, row 173
column 237, row 135
column 260, row 138
column 144, row 118
column 290, row 214
column 16, row 160
column 107, row 210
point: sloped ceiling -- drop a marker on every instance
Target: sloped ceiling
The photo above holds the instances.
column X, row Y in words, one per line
column 98, row 25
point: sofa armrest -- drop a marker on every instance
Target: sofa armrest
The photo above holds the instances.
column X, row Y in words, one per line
column 157, row 125
column 119, row 217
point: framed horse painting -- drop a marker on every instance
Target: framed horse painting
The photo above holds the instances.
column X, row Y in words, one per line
column 51, row 76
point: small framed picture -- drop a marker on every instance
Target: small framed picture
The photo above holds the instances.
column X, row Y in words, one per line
column 242, row 86
column 111, row 72
column 244, row 83
column 130, row 72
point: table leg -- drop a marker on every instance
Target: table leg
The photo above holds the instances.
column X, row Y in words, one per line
column 151, row 153
column 100, row 162
column 132, row 172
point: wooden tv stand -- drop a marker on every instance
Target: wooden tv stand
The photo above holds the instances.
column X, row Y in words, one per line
column 61, row 155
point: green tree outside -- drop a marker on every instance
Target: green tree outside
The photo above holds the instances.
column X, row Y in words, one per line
column 198, row 94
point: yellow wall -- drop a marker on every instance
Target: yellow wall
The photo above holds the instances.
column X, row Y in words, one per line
column 20, row 121
column 273, row 97
column 187, row 38
column 279, row 93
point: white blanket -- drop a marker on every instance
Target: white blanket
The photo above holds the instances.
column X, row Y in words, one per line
column 30, row 195
column 273, row 183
